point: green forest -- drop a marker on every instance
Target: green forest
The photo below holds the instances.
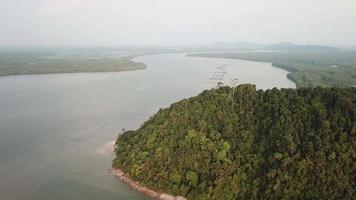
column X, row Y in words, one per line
column 307, row 68
column 243, row 143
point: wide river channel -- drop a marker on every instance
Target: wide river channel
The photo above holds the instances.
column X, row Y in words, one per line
column 55, row 130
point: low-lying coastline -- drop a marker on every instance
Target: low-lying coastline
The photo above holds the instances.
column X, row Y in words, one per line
column 40, row 65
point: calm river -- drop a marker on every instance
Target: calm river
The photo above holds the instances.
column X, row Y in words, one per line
column 55, row 129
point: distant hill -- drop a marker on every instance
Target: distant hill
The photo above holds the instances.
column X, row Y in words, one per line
column 284, row 46
column 287, row 46
column 239, row 143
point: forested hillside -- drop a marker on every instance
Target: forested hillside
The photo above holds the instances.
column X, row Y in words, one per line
column 239, row 143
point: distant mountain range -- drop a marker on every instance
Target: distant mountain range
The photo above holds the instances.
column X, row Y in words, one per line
column 284, row 46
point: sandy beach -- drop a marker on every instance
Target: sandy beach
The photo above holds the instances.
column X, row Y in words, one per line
column 106, row 149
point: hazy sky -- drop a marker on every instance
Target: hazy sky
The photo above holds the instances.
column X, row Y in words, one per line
column 175, row 22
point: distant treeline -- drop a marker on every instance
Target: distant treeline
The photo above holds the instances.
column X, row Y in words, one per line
column 42, row 63
column 239, row 143
column 307, row 69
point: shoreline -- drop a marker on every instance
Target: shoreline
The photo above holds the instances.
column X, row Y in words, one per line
column 118, row 173
column 136, row 186
column 200, row 55
column 135, row 67
column 76, row 72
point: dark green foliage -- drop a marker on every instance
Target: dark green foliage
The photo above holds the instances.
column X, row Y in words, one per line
column 307, row 69
column 273, row 144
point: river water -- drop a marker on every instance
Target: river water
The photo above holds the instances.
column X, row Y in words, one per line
column 55, row 129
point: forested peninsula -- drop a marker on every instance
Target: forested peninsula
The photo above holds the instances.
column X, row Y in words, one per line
column 243, row 143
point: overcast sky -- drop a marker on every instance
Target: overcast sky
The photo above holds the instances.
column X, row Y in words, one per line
column 175, row 22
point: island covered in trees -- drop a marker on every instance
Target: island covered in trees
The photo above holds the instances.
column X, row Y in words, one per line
column 243, row 143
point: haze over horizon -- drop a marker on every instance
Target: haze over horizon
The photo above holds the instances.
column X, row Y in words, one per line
column 175, row 22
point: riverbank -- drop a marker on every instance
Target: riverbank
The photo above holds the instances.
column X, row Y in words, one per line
column 24, row 64
column 306, row 69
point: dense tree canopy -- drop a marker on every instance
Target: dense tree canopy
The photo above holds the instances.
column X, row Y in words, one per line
column 248, row 144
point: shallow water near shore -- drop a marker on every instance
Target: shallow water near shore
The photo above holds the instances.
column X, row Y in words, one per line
column 55, row 129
